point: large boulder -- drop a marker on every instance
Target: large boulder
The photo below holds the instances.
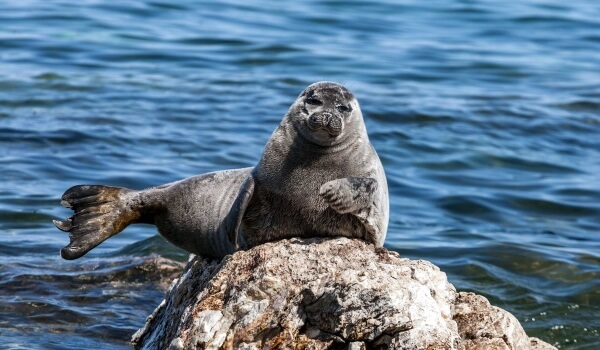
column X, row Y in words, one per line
column 324, row 294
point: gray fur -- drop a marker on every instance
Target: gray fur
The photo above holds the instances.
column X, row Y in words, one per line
column 318, row 176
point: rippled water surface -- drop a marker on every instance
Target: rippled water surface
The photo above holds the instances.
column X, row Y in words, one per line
column 485, row 114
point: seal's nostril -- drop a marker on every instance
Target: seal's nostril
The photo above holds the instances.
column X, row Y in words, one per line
column 316, row 121
column 335, row 125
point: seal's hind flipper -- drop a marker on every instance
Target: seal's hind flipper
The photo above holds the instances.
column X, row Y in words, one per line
column 100, row 213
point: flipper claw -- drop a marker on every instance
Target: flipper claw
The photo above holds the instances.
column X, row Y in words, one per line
column 63, row 225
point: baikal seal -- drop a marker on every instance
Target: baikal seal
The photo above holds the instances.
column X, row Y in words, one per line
column 318, row 176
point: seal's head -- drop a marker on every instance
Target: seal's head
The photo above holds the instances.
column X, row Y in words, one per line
column 324, row 112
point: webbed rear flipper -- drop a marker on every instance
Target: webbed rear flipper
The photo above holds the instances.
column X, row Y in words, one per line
column 100, row 213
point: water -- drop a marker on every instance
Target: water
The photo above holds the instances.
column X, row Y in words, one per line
column 486, row 116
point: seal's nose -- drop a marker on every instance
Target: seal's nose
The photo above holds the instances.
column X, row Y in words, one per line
column 326, row 121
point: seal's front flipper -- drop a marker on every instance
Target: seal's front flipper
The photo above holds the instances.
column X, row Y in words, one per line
column 355, row 195
column 349, row 195
column 100, row 213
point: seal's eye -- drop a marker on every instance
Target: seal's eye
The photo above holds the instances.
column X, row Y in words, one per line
column 344, row 109
column 313, row 101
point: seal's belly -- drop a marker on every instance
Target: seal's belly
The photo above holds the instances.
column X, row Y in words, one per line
column 270, row 218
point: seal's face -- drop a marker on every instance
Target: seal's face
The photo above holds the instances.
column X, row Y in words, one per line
column 323, row 111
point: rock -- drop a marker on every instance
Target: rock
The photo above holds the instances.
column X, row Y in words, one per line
column 324, row 294
column 483, row 326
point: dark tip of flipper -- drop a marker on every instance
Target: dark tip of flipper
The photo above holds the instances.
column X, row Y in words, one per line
column 83, row 238
column 81, row 191
column 72, row 253
column 79, row 196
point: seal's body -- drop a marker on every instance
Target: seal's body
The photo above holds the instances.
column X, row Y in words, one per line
column 318, row 176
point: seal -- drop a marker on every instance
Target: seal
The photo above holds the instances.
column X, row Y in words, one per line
column 319, row 176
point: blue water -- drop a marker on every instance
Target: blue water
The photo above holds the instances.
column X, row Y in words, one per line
column 485, row 114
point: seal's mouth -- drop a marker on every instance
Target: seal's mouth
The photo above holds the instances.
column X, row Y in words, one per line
column 333, row 124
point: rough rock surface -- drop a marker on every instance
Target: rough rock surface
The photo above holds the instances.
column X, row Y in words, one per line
column 324, row 294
